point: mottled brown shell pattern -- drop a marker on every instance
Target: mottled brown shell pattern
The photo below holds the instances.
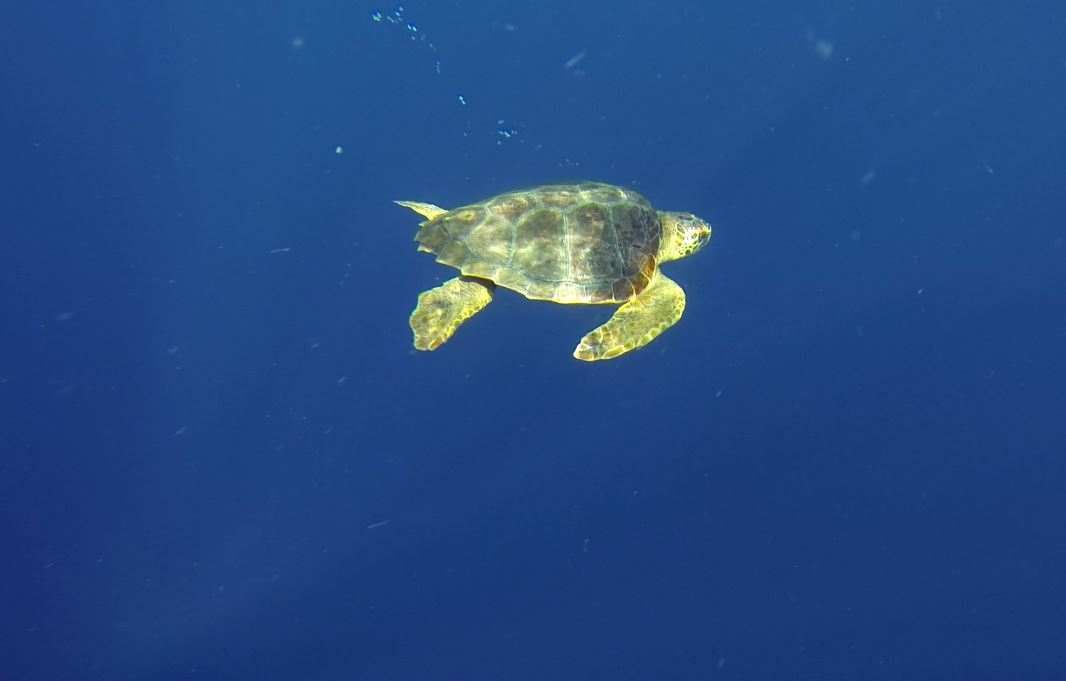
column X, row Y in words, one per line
column 568, row 243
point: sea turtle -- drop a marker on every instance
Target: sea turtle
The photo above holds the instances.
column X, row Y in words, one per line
column 585, row 242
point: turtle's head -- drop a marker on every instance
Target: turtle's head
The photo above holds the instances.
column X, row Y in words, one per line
column 683, row 235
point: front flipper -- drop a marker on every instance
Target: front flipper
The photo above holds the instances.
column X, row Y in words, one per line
column 441, row 310
column 649, row 313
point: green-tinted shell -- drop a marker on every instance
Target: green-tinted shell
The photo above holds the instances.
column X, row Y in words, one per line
column 568, row 243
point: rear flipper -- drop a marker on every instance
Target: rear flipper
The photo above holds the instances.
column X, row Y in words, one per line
column 441, row 310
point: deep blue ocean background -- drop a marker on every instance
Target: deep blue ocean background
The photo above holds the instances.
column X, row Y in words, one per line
column 221, row 458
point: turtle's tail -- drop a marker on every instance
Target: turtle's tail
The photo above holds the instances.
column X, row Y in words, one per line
column 427, row 210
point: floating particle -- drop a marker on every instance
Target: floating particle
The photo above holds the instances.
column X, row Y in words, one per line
column 506, row 134
column 375, row 16
column 575, row 60
column 298, row 42
column 504, row 131
column 823, row 49
column 462, row 100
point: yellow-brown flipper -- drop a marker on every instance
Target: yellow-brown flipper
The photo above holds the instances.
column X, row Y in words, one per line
column 426, row 210
column 649, row 313
column 441, row 310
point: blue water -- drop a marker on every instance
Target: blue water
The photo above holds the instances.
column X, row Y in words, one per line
column 221, row 458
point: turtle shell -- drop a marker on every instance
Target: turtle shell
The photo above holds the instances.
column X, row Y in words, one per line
column 567, row 243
